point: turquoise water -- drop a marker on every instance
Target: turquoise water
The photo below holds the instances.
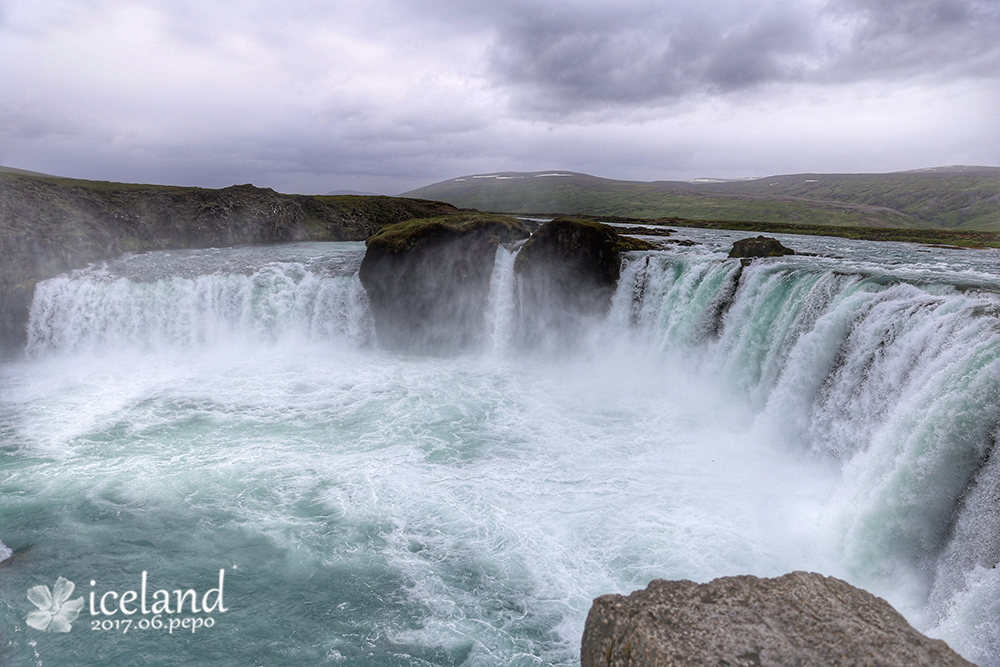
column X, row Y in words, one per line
column 181, row 413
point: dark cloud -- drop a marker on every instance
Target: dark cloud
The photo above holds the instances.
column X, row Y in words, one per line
column 595, row 54
column 655, row 53
column 766, row 48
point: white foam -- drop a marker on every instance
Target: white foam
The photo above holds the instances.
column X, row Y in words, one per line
column 721, row 420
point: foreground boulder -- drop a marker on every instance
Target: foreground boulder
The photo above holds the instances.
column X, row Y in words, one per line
column 428, row 279
column 762, row 246
column 802, row 619
column 568, row 271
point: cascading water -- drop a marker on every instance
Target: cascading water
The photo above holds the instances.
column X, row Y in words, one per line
column 97, row 310
column 182, row 413
column 501, row 307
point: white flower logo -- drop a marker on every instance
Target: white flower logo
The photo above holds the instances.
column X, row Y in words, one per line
column 54, row 613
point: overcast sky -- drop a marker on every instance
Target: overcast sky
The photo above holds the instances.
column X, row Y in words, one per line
column 311, row 96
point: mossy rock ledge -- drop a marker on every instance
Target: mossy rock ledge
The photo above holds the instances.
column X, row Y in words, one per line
column 568, row 271
column 428, row 280
column 801, row 618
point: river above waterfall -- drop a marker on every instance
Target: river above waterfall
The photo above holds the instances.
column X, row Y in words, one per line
column 177, row 414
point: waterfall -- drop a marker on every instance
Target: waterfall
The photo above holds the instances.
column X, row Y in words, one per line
column 501, row 307
column 886, row 374
column 898, row 383
column 98, row 312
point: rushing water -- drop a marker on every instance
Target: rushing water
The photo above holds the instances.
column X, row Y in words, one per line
column 184, row 413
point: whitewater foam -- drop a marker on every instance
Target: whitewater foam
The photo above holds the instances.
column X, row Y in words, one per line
column 832, row 414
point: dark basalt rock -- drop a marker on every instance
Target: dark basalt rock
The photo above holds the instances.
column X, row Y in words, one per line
column 568, row 270
column 762, row 246
column 802, row 619
column 639, row 230
column 428, row 280
column 579, row 248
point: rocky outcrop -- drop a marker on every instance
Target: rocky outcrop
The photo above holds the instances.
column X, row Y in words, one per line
column 802, row 619
column 762, row 246
column 51, row 225
column 568, row 270
column 428, row 280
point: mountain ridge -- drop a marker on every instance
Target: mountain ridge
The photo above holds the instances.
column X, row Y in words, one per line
column 962, row 197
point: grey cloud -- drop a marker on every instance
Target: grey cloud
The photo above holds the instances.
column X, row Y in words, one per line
column 655, row 53
column 27, row 122
column 900, row 37
column 387, row 95
column 759, row 51
column 597, row 55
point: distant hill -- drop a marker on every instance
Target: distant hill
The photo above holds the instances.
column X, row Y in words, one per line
column 23, row 172
column 354, row 193
column 956, row 197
